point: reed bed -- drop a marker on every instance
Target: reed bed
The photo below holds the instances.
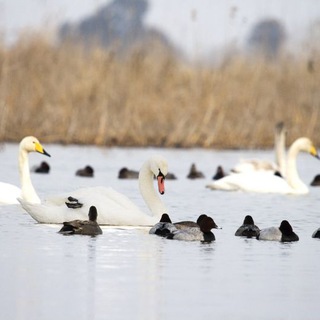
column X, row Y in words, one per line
column 66, row 94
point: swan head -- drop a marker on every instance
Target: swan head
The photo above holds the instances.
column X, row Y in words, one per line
column 305, row 144
column 32, row 144
column 159, row 167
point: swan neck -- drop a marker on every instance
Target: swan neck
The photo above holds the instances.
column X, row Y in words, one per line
column 148, row 192
column 280, row 145
column 28, row 192
column 292, row 175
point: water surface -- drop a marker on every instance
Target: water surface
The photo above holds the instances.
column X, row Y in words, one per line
column 127, row 273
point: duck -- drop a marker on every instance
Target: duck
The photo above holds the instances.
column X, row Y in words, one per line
column 87, row 171
column 85, row 227
column 316, row 181
column 165, row 226
column 42, row 168
column 194, row 173
column 316, row 234
column 125, row 173
column 268, row 182
column 171, row 176
column 189, row 224
column 114, row 207
column 202, row 233
column 250, row 165
column 9, row 193
column 219, row 173
column 248, row 228
column 284, row 233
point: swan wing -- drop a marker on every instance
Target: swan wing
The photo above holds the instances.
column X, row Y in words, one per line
column 113, row 208
column 262, row 182
column 251, row 165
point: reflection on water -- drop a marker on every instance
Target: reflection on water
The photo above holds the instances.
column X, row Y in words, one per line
column 127, row 273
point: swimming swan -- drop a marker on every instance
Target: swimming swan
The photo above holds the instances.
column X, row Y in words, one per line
column 267, row 182
column 9, row 192
column 114, row 208
column 249, row 165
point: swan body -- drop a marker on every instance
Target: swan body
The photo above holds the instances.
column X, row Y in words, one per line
column 114, row 208
column 251, row 165
column 9, row 192
column 268, row 182
column 284, row 233
column 87, row 227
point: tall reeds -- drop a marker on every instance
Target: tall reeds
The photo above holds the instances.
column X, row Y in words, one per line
column 67, row 94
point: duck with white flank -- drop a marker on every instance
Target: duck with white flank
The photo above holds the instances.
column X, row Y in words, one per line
column 284, row 233
column 202, row 233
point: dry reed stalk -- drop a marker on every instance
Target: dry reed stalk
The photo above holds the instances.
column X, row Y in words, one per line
column 68, row 95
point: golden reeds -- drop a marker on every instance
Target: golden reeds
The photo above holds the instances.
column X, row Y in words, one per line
column 67, row 94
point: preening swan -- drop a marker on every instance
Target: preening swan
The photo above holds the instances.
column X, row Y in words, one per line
column 8, row 192
column 279, row 165
column 267, row 182
column 114, row 208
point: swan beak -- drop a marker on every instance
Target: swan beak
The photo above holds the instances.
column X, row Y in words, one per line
column 40, row 149
column 314, row 152
column 160, row 179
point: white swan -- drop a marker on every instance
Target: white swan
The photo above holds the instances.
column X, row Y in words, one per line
column 267, row 182
column 249, row 165
column 9, row 192
column 114, row 208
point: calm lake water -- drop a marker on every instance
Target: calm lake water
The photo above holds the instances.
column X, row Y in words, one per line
column 127, row 273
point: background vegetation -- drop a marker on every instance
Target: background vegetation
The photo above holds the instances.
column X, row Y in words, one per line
column 67, row 94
